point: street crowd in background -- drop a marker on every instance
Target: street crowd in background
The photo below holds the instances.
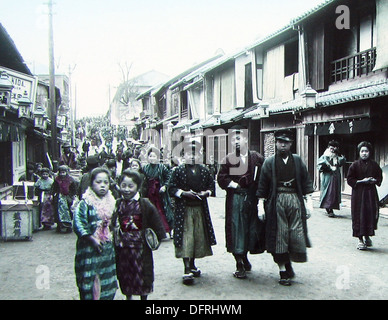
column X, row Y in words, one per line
column 110, row 186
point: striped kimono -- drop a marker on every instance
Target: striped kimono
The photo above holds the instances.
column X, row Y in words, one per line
column 95, row 272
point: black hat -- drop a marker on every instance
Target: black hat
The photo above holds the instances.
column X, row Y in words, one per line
column 285, row 135
column 92, row 160
column 111, row 163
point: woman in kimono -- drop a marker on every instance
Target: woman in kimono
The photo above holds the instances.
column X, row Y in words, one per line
column 133, row 215
column 157, row 176
column 64, row 189
column 135, row 165
column 363, row 176
column 329, row 165
column 95, row 265
column 191, row 183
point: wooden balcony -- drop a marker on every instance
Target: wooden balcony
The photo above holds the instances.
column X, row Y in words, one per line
column 353, row 66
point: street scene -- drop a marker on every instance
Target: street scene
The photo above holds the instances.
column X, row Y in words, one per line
column 335, row 268
column 175, row 155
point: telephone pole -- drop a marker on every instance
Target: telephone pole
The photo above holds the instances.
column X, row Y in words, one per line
column 53, row 107
column 71, row 106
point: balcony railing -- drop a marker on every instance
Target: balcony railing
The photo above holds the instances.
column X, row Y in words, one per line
column 184, row 113
column 353, row 66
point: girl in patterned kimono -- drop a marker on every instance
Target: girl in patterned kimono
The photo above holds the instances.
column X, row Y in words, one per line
column 133, row 215
column 95, row 266
column 191, row 183
column 43, row 191
column 64, row 190
column 157, row 176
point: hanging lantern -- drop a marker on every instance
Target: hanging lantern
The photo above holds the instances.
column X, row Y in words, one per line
column 6, row 87
column 310, row 97
column 263, row 107
column 24, row 106
column 65, row 135
column 217, row 116
column 40, row 118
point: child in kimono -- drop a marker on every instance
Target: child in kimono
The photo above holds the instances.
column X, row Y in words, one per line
column 95, row 265
column 134, row 214
column 43, row 191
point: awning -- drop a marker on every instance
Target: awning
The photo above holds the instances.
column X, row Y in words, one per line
column 369, row 90
column 185, row 122
column 343, row 127
column 230, row 116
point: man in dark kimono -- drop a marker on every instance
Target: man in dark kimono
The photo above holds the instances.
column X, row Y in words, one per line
column 238, row 175
column 284, row 181
column 68, row 157
column 191, row 183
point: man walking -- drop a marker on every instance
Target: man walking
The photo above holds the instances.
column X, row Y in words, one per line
column 238, row 175
column 284, row 181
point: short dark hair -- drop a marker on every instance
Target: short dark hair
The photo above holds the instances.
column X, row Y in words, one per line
column 44, row 169
column 96, row 171
column 334, row 143
column 132, row 174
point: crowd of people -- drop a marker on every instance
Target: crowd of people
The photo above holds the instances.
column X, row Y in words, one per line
column 267, row 207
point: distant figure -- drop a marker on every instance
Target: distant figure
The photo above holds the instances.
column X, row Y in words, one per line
column 68, row 157
column 64, row 189
column 329, row 165
column 157, row 176
column 85, row 147
column 43, row 191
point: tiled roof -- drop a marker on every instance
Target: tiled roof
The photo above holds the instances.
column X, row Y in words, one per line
column 225, row 118
column 276, row 107
column 368, row 90
column 363, row 91
column 312, row 11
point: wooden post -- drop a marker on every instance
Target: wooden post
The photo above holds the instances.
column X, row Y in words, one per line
column 53, row 107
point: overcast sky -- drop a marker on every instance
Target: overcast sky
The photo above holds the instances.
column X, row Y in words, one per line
column 91, row 37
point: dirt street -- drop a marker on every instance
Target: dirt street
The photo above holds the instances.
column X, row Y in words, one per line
column 43, row 269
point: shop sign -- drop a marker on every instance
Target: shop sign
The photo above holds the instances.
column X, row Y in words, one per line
column 24, row 86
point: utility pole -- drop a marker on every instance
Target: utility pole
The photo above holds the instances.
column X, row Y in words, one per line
column 72, row 111
column 53, row 107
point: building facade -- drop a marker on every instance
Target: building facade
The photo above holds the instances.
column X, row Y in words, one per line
column 324, row 76
column 24, row 124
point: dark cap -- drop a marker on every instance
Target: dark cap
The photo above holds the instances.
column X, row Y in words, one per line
column 92, row 160
column 285, row 135
column 111, row 163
